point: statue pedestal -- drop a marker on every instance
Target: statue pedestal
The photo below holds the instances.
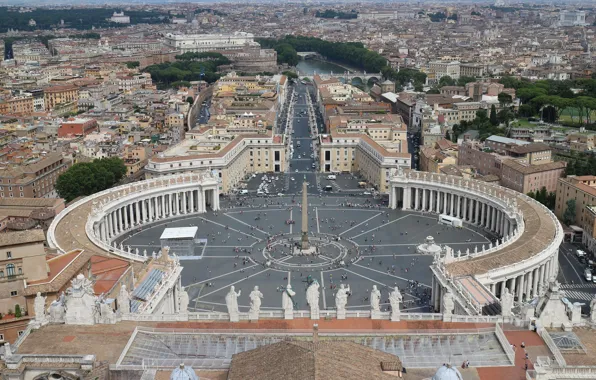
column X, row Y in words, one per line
column 288, row 314
column 395, row 317
column 315, row 314
column 447, row 317
column 253, row 315
column 341, row 314
column 235, row 317
column 36, row 324
column 374, row 314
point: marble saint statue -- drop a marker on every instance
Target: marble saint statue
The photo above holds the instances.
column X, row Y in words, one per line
column 40, row 308
column 287, row 302
column 375, row 299
column 395, row 298
column 448, row 304
column 183, row 301
column 232, row 304
column 123, row 300
column 593, row 310
column 506, row 303
column 341, row 300
column 255, row 300
column 312, row 298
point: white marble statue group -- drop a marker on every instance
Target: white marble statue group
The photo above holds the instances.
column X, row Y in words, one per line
column 312, row 299
column 80, row 306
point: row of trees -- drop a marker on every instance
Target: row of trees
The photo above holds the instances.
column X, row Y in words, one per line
column 77, row 18
column 190, row 67
column 88, row 178
column 330, row 13
column 350, row 53
column 545, row 197
column 579, row 163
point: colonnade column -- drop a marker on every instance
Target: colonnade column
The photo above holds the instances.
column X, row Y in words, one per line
column 415, row 198
column 520, row 287
column 192, row 201
column 535, row 284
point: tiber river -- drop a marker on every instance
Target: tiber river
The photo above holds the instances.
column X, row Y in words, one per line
column 310, row 66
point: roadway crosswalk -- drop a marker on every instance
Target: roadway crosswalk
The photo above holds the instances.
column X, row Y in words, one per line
column 577, row 295
column 578, row 286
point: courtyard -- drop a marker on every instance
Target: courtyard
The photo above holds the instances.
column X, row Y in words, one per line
column 361, row 242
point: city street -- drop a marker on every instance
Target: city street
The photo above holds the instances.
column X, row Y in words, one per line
column 571, row 276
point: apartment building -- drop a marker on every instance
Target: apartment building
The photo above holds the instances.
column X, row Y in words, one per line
column 520, row 165
column 580, row 188
column 18, row 105
column 60, row 95
column 77, row 127
column 442, row 68
column 33, row 179
column 229, row 156
column 471, row 70
column 524, row 177
column 357, row 152
column 22, row 258
column 581, row 142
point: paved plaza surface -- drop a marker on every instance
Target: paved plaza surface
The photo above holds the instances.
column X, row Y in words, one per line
column 380, row 251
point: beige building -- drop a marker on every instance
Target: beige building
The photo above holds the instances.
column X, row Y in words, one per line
column 521, row 176
column 33, row 180
column 60, row 95
column 22, row 258
column 232, row 157
column 581, row 142
column 582, row 189
column 21, row 105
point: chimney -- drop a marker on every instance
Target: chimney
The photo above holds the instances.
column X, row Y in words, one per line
column 315, row 333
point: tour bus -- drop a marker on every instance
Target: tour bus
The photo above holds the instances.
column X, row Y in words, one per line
column 450, row 221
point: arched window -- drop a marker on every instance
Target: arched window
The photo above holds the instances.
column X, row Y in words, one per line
column 10, row 270
column 20, row 270
column 1, row 273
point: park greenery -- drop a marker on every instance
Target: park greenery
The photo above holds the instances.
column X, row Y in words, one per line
column 76, row 18
column 440, row 16
column 132, row 64
column 188, row 67
column 575, row 100
column 330, row 13
column 86, row 178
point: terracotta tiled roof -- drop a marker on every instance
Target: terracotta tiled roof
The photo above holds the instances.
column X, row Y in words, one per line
column 302, row 360
column 21, row 237
column 62, row 269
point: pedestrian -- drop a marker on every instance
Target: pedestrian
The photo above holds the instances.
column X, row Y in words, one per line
column 523, row 345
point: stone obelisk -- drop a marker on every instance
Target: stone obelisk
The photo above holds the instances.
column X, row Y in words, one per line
column 304, row 245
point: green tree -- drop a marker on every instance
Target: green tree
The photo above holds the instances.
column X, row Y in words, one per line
column 190, row 100
column 493, row 115
column 463, row 80
column 17, row 311
column 569, row 214
column 132, row 64
column 446, row 81
column 88, row 178
column 290, row 74
column 505, row 99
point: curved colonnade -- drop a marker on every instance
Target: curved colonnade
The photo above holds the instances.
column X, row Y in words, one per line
column 93, row 223
column 525, row 256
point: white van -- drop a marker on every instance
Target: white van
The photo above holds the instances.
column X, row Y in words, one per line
column 588, row 274
column 580, row 253
column 331, row 176
column 243, row 191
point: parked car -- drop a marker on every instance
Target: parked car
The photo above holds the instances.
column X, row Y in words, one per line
column 331, row 177
column 588, row 274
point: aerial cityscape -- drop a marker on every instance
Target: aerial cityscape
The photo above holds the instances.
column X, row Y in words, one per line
column 272, row 190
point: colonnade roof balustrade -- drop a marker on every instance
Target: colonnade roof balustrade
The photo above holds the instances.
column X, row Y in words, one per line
column 68, row 230
column 541, row 230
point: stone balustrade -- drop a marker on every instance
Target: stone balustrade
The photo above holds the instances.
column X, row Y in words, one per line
column 94, row 222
